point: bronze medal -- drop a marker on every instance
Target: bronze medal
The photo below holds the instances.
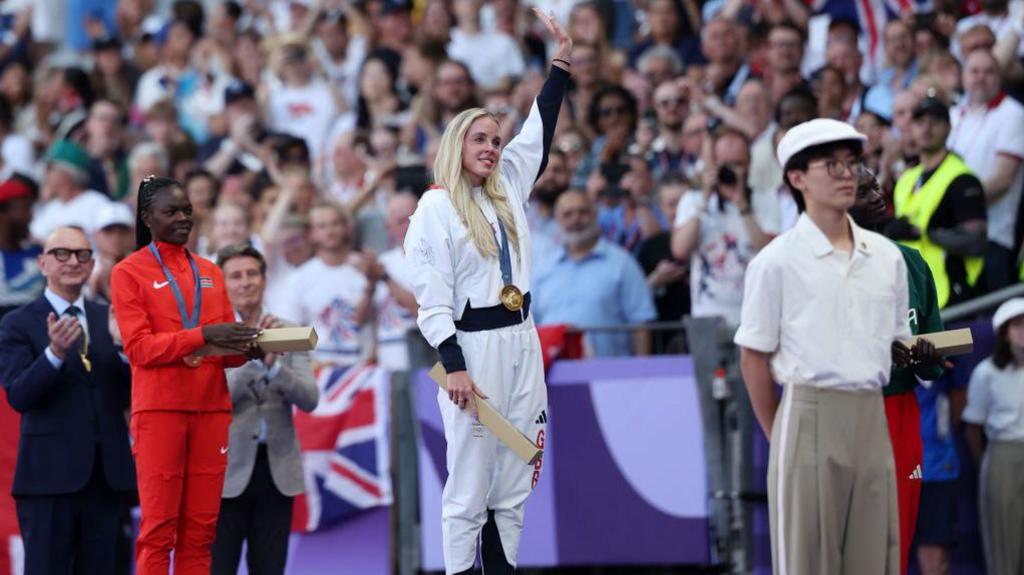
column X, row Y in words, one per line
column 192, row 360
column 511, row 298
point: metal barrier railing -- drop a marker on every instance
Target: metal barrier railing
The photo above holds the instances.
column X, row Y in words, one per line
column 982, row 304
column 667, row 337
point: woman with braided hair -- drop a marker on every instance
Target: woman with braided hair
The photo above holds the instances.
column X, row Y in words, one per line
column 169, row 304
column 468, row 248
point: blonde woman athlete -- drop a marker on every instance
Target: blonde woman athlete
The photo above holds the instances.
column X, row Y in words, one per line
column 469, row 249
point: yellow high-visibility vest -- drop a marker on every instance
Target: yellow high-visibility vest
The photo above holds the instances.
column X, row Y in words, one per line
column 919, row 207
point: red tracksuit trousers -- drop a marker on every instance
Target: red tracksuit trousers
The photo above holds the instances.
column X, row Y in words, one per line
column 904, row 419
column 180, row 459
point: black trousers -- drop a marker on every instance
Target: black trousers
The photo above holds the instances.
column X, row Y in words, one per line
column 260, row 516
column 492, row 553
column 73, row 534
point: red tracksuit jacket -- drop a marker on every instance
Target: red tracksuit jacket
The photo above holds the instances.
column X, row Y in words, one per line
column 154, row 339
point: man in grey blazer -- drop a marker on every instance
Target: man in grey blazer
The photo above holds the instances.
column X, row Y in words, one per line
column 264, row 462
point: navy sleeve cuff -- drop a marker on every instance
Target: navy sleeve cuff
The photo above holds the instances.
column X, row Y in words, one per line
column 451, row 355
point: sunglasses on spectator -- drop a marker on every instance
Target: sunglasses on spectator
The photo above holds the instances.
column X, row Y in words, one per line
column 613, row 111
column 839, row 169
column 62, row 255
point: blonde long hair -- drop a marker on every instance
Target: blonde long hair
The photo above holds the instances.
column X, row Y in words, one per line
column 449, row 175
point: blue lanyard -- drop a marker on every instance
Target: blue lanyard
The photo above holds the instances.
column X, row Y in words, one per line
column 188, row 321
column 505, row 258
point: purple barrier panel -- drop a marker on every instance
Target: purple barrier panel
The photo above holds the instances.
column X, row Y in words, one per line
column 359, row 546
column 624, row 478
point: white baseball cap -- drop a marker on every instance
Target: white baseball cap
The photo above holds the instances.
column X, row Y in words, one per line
column 814, row 133
column 113, row 214
column 1010, row 309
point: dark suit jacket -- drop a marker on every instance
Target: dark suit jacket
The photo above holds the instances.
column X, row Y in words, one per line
column 65, row 413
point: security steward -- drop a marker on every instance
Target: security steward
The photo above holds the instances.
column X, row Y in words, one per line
column 940, row 208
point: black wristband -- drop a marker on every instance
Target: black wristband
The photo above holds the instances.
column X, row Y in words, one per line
column 566, row 62
column 451, row 355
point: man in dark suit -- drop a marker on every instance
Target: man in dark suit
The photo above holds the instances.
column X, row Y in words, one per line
column 63, row 373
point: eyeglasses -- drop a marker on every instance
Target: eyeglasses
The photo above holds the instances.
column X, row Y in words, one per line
column 670, row 102
column 64, row 254
column 839, row 169
column 613, row 111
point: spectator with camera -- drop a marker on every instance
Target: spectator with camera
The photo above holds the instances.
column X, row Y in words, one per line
column 720, row 227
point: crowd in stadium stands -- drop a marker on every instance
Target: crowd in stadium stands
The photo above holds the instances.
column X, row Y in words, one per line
column 281, row 116
column 308, row 128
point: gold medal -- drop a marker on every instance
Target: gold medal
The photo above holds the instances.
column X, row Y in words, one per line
column 86, row 364
column 511, row 298
column 192, row 360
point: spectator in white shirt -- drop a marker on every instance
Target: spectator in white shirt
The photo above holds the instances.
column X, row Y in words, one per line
column 394, row 302
column 165, row 81
column 16, row 152
column 329, row 292
column 340, row 57
column 720, row 227
column 492, row 56
column 303, row 106
column 996, row 15
column 988, row 133
column 67, row 201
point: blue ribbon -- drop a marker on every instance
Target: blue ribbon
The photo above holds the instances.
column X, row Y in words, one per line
column 505, row 258
column 188, row 321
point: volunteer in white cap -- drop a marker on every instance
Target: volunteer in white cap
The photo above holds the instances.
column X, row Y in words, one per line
column 995, row 413
column 822, row 305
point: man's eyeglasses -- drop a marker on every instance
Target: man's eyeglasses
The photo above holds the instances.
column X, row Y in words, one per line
column 670, row 102
column 839, row 169
column 64, row 254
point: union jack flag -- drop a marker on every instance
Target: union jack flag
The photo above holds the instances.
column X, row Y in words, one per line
column 344, row 447
column 872, row 15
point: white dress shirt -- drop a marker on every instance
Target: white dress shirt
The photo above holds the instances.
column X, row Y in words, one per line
column 980, row 135
column 445, row 267
column 827, row 317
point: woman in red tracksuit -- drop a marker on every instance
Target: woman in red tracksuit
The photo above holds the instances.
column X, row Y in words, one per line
column 168, row 305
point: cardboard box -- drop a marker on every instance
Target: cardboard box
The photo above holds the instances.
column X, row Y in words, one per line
column 275, row 340
column 502, row 428
column 950, row 342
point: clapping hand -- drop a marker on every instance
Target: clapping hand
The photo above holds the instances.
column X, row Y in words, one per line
column 64, row 332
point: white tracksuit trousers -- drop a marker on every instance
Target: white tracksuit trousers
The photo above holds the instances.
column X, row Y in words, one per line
column 483, row 473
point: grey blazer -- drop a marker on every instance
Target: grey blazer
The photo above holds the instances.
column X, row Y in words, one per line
column 251, row 398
